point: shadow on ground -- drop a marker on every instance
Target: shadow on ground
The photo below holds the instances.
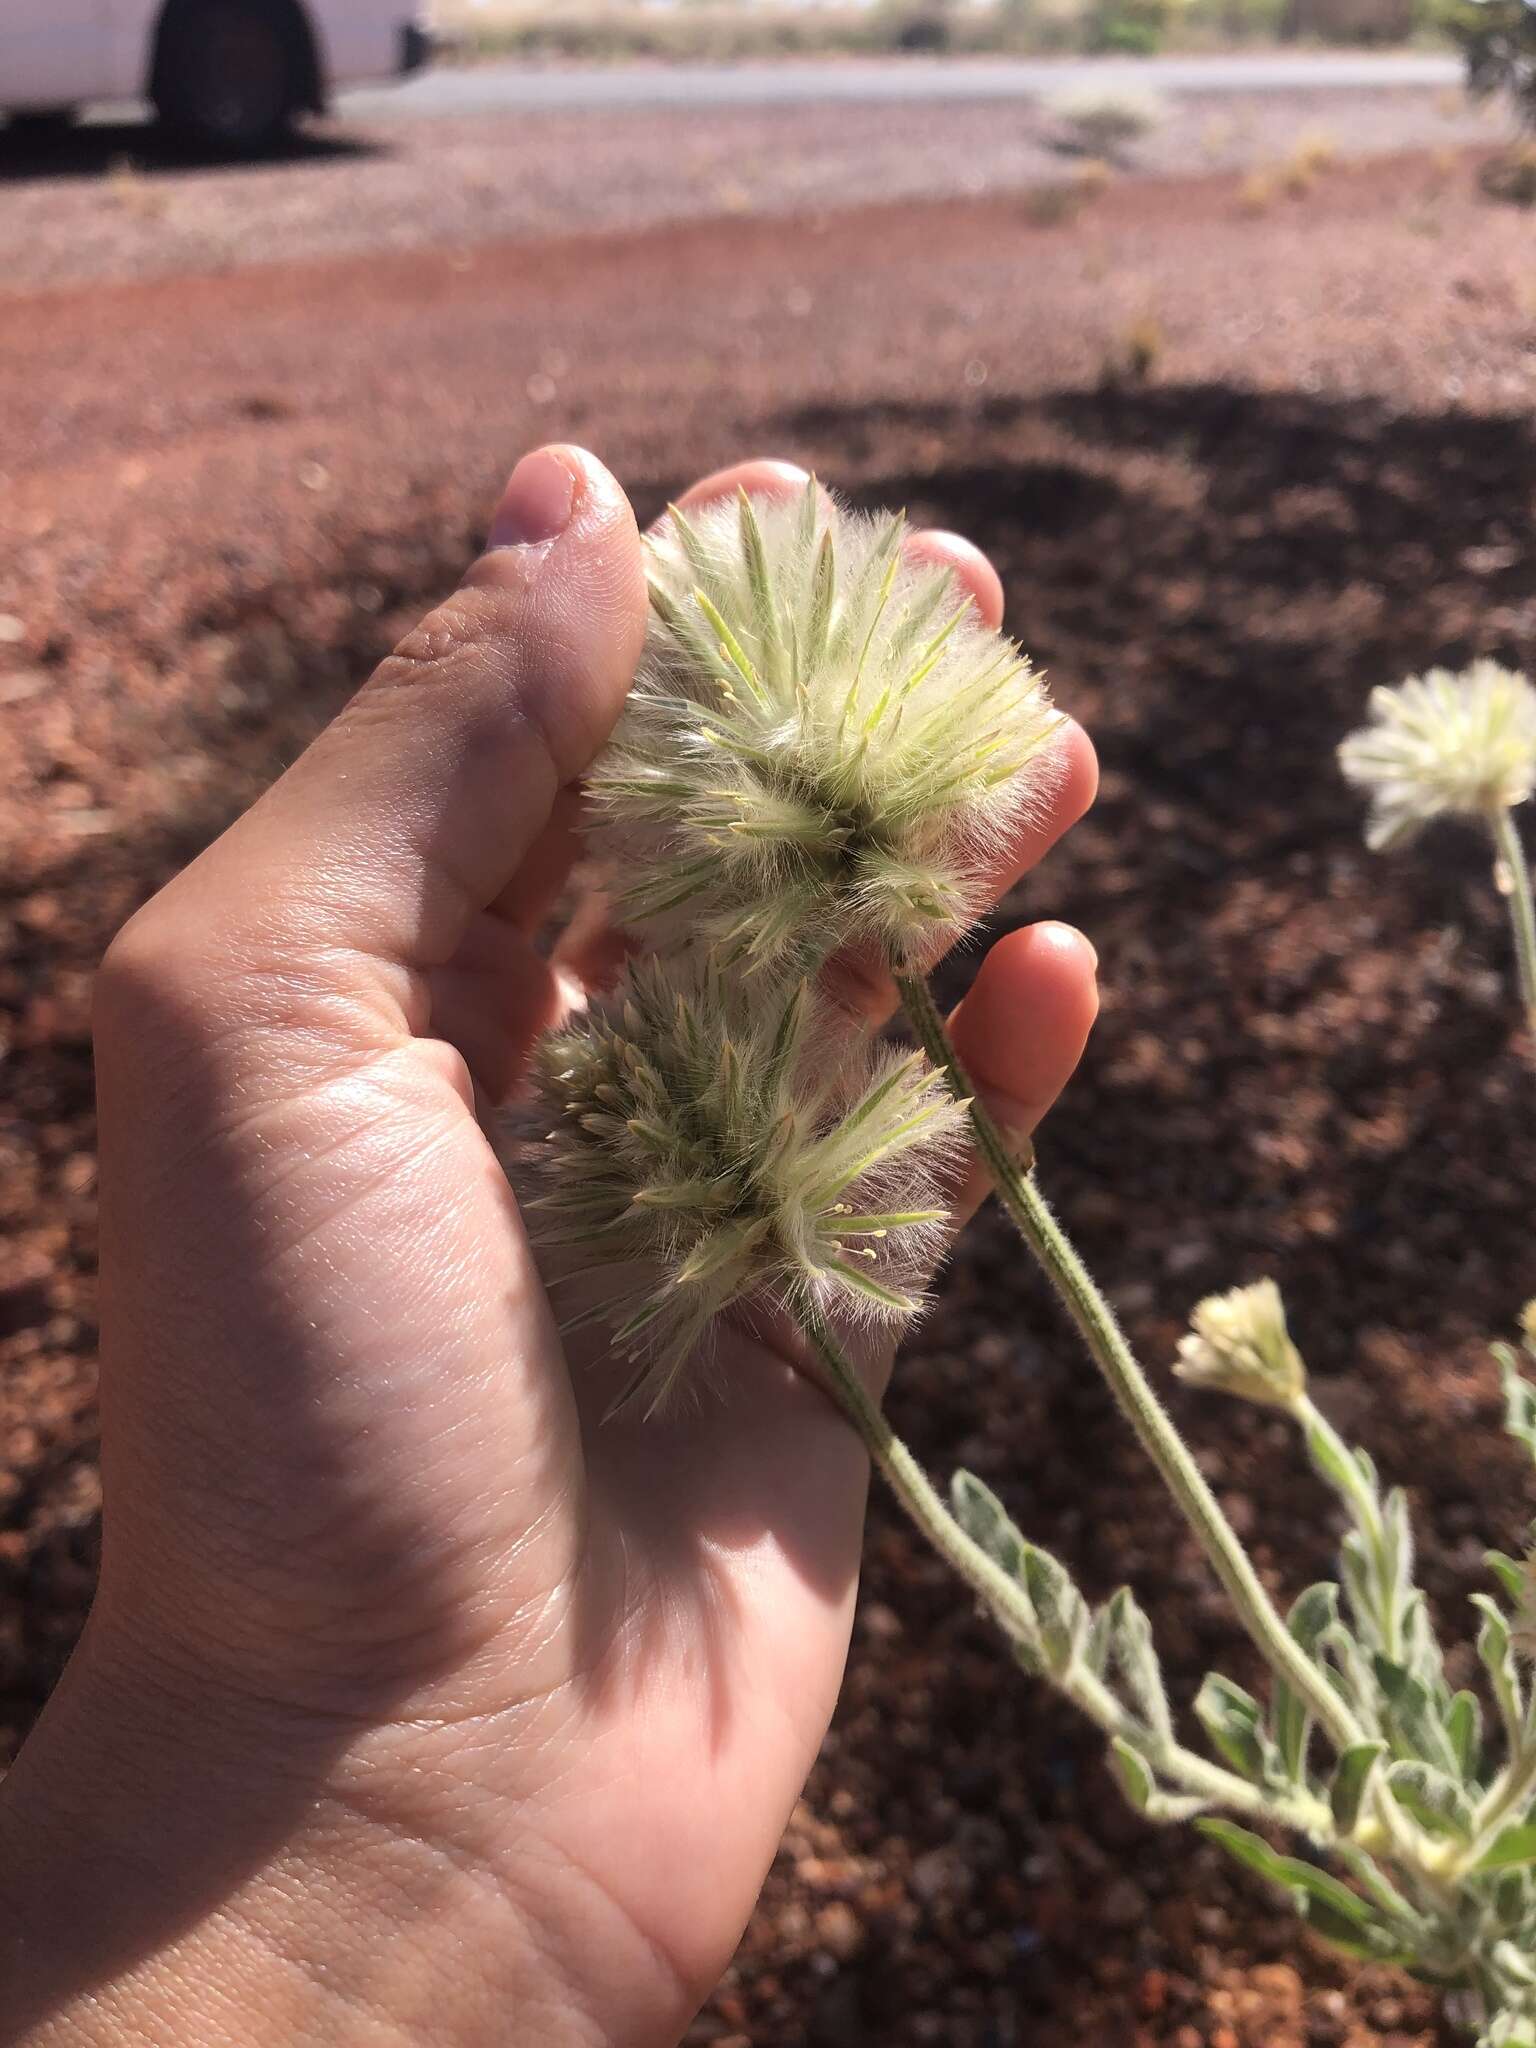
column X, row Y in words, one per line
column 32, row 152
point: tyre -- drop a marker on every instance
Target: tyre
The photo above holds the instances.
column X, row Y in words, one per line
column 229, row 75
column 44, row 121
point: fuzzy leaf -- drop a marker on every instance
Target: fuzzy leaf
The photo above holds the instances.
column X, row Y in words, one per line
column 1514, row 1848
column 1292, row 1724
column 1494, row 1649
column 1231, row 1718
column 1413, row 1719
column 1135, row 1657
column 1060, row 1609
column 1506, row 1571
column 1519, row 1402
column 1434, row 1798
column 1313, row 1611
column 1338, row 1914
column 1134, row 1774
column 1351, row 1776
column 1246, row 1848
column 1096, row 1645
column 986, row 1521
column 1464, row 1725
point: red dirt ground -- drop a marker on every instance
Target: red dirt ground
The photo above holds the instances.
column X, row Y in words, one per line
column 1308, row 1062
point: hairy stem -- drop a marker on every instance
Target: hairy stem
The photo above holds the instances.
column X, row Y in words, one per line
column 1010, row 1606
column 1515, row 876
column 1095, row 1319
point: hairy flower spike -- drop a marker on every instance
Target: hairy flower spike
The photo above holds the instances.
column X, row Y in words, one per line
column 702, row 1154
column 1444, row 745
column 824, row 743
column 1238, row 1344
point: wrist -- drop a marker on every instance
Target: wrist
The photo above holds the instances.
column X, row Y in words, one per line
column 175, row 1874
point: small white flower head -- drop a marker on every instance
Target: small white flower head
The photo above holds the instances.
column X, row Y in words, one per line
column 824, row 743
column 1528, row 1325
column 1238, row 1344
column 706, row 1152
column 1443, row 745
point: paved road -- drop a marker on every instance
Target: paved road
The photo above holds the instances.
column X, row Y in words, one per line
column 520, row 88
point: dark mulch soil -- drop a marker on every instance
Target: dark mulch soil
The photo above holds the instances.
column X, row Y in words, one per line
column 1308, row 1062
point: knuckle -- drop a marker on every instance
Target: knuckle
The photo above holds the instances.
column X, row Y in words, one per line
column 463, row 626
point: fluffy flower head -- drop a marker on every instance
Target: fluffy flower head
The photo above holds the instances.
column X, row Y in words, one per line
column 824, row 742
column 1443, row 745
column 702, row 1155
column 1238, row 1344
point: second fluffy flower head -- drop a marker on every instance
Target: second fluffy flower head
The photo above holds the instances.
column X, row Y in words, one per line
column 707, row 1150
column 824, row 744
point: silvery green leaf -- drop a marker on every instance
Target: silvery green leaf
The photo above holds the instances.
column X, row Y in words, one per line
column 1398, row 1531
column 1358, row 1571
column 1351, row 1674
column 1464, row 1725
column 1135, row 1657
column 1246, row 1848
column 985, row 1520
column 1350, row 1778
column 1133, row 1772
column 1493, row 1647
column 1292, row 1725
column 1512, row 1964
column 1519, row 1399
column 1433, row 1797
column 1060, row 1610
column 1412, row 1722
column 1508, row 2029
column 1097, row 1643
column 1421, row 1652
column 1313, row 1612
column 1136, row 1781
column 1514, row 1847
column 1338, row 1914
column 1232, row 1718
column 1506, row 1571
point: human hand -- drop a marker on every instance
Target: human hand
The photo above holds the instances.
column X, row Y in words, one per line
column 417, row 1704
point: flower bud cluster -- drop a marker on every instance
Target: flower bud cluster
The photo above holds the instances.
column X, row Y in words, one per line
column 824, row 744
column 1444, row 745
column 1238, row 1344
column 706, row 1153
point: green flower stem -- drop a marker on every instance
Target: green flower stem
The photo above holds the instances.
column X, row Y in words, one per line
column 1522, row 909
column 1011, row 1608
column 1096, row 1321
column 1361, row 1499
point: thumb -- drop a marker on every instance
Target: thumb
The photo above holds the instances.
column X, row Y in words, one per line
column 360, row 869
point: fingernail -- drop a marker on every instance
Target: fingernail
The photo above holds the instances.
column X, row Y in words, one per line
column 536, row 505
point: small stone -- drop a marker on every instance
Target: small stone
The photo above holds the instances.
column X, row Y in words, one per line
column 838, row 1930
column 1123, row 1904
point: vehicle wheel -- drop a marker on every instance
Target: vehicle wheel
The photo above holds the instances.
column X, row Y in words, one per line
column 229, row 76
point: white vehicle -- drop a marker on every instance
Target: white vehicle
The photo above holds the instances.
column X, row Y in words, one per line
column 226, row 74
